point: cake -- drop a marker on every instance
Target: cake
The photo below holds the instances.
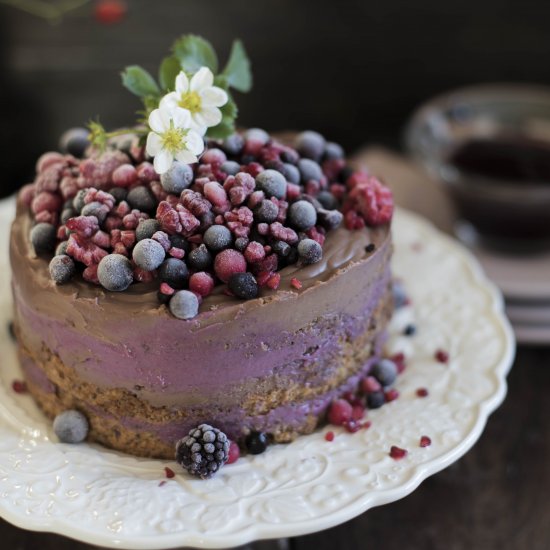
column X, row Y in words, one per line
column 131, row 309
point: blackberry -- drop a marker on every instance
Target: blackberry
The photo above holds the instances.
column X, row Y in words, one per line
column 119, row 193
column 203, row 451
column 333, row 151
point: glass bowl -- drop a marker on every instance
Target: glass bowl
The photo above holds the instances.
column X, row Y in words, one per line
column 506, row 203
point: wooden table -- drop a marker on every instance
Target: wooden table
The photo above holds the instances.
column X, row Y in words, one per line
column 495, row 497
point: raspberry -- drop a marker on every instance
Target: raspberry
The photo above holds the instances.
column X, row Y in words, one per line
column 422, row 392
column 274, row 281
column 68, row 187
column 294, row 282
column 90, row 274
column 84, row 251
column 97, row 172
column 195, row 202
column 144, row 276
column 216, row 194
column 353, row 221
column 48, row 179
column 391, row 395
column 281, row 233
column 19, row 386
column 372, row 200
column 166, row 289
column 84, row 226
column 317, row 235
column 45, row 201
column 102, row 239
column 26, row 193
column 47, row 217
column 340, row 411
column 357, row 412
column 169, row 473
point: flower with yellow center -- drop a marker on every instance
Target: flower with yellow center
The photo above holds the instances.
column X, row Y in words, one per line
column 172, row 137
column 199, row 98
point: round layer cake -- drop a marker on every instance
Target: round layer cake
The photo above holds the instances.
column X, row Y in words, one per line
column 144, row 378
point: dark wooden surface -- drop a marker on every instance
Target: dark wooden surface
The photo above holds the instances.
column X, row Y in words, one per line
column 494, row 498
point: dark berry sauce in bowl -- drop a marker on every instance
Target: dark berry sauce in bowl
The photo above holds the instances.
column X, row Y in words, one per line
column 490, row 145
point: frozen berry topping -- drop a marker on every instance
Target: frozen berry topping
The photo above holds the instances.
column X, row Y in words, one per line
column 248, row 208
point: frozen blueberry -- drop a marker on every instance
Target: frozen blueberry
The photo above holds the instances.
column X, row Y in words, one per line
column 385, row 371
column 290, row 156
column 43, row 237
column 207, row 219
column 78, row 201
column 272, row 183
column 67, row 214
column 281, row 248
column 148, row 254
column 178, row 177
column 330, row 219
column 291, row 173
column 256, row 443
column 327, row 200
column 71, row 426
column 233, row 144
column 257, row 134
column 62, row 269
column 309, row 170
column 200, row 259
column 119, row 193
column 178, row 241
column 243, row 285
column 174, row 272
column 147, row 228
column 334, row 151
column 142, row 199
column 266, row 212
column 115, row 272
column 241, row 243
column 95, row 209
column 375, row 399
column 310, row 144
column 184, row 304
column 217, row 237
column 75, row 141
column 230, row 167
column 61, row 248
column 302, row 215
column 310, row 251
column 400, row 298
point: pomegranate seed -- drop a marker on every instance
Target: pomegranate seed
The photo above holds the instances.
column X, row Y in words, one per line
column 296, row 283
column 357, row 412
column 329, row 436
column 19, row 386
column 425, row 441
column 391, row 395
column 352, row 426
column 169, row 472
column 234, row 453
column 366, row 425
column 422, row 392
column 340, row 411
column 398, row 357
column 370, row 385
column 442, row 356
column 166, row 289
column 397, row 453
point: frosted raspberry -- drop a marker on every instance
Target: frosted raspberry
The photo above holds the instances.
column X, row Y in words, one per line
column 195, row 202
column 373, row 201
column 47, row 217
column 90, row 274
column 83, row 226
column 26, row 194
column 213, row 156
column 283, row 208
column 102, row 239
column 357, row 178
column 296, row 283
column 84, row 250
column 163, row 239
column 352, row 220
column 62, row 233
column 239, row 221
column 142, row 276
column 281, row 233
column 47, row 160
column 256, row 198
column 339, row 412
column 216, row 194
column 254, row 252
column 252, row 168
column 97, row 172
column 268, row 264
column 94, row 195
column 274, row 281
column 115, row 236
column 49, row 178
column 313, row 187
column 166, row 289
column 46, row 201
column 158, row 191
column 293, row 191
column 146, row 172
column 317, row 234
column 178, row 253
column 122, row 209
column 227, row 263
column 119, row 248
column 68, row 187
column 338, row 190
column 125, row 175
column 332, row 168
column 128, row 238
column 112, row 222
column 201, row 283
column 188, row 222
column 262, row 229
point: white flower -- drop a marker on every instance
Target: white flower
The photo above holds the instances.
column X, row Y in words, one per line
column 197, row 97
column 172, row 138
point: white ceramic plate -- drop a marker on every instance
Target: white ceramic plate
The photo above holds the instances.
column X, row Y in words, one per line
column 109, row 499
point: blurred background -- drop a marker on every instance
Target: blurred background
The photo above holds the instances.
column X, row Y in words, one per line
column 353, row 70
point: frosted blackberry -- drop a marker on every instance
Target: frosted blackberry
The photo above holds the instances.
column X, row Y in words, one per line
column 43, row 237
column 115, row 272
column 203, row 451
column 62, row 269
column 148, row 254
column 310, row 251
column 243, row 285
column 178, row 177
column 184, row 305
column 310, row 144
column 75, row 141
column 147, row 228
column 217, row 237
column 71, row 426
column 266, row 212
column 141, row 199
column 174, row 272
column 302, row 215
column 309, row 170
column 200, row 259
column 385, row 371
column 272, row 183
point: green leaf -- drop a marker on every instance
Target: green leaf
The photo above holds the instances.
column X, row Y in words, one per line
column 169, row 69
column 139, row 82
column 229, row 110
column 194, row 52
column 222, row 130
column 220, row 81
column 237, row 69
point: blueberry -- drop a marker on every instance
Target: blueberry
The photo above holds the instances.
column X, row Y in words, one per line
column 310, row 251
column 375, row 399
column 95, row 209
column 184, row 304
column 243, row 285
column 174, row 272
column 75, row 141
column 233, row 144
column 119, row 194
column 178, row 177
column 61, row 248
column 400, row 298
column 302, row 215
column 71, row 426
column 178, row 241
column 272, row 183
column 256, row 443
column 334, row 151
column 78, row 201
column 281, row 248
column 207, row 219
column 147, row 228
column 241, row 243
column 142, row 199
column 309, row 170
column 327, row 200
column 67, row 214
column 385, row 371
column 291, row 173
column 410, row 330
column 290, row 156
column 310, row 144
column 330, row 219
column 43, row 237
column 200, row 259
column 266, row 212
column 217, row 237
column 115, row 272
column 230, row 167
column 62, row 269
column 257, row 134
column 148, row 254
